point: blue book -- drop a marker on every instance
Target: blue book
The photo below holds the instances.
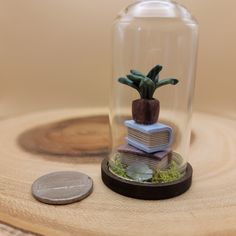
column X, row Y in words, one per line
column 149, row 138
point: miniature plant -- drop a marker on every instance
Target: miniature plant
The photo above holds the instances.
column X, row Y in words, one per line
column 146, row 85
column 146, row 109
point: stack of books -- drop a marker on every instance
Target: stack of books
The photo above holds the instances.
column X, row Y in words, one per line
column 149, row 138
column 149, row 144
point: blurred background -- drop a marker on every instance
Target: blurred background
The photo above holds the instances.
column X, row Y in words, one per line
column 57, row 54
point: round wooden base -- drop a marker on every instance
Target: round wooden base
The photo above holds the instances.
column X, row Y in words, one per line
column 146, row 191
column 207, row 208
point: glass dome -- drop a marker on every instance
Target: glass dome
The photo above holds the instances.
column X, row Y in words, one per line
column 154, row 44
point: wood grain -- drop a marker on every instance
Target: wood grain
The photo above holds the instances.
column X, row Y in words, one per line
column 71, row 137
column 209, row 208
column 8, row 230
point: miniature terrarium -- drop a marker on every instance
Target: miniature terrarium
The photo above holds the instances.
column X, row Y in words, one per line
column 154, row 57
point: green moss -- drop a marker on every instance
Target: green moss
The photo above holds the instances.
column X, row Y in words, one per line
column 160, row 176
column 118, row 168
column 166, row 176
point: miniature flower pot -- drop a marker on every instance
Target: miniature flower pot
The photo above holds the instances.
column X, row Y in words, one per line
column 145, row 111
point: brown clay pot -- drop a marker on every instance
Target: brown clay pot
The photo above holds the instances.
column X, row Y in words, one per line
column 145, row 111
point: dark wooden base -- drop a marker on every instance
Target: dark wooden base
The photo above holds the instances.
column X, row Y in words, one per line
column 146, row 191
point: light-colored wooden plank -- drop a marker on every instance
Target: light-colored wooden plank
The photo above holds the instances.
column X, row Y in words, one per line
column 7, row 230
column 208, row 208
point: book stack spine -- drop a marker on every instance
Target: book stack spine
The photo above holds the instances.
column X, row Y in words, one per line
column 147, row 143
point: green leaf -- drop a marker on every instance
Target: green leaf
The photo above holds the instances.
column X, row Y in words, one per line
column 135, row 78
column 154, row 73
column 166, row 82
column 128, row 82
column 136, row 72
column 147, row 88
column 151, row 88
column 143, row 89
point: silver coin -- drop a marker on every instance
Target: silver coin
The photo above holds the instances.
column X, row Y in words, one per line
column 63, row 187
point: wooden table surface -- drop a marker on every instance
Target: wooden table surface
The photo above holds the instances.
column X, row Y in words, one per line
column 208, row 208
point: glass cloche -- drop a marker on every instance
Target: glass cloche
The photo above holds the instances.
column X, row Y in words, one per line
column 154, row 63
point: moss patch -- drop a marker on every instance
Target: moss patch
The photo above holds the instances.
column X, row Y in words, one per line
column 119, row 169
column 160, row 176
column 165, row 176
